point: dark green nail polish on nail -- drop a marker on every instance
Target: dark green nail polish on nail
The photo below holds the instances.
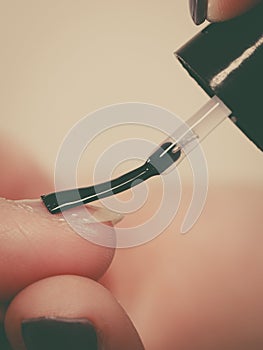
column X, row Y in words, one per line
column 198, row 10
column 59, row 334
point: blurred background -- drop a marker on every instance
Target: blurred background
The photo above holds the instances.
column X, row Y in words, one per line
column 61, row 60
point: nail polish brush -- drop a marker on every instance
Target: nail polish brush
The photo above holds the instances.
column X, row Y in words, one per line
column 226, row 60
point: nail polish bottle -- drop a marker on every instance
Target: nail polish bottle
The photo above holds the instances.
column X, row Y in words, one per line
column 226, row 60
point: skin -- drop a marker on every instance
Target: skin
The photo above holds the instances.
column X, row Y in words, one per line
column 38, row 253
column 199, row 291
column 220, row 10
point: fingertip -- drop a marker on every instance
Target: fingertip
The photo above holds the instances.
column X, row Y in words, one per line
column 36, row 245
column 70, row 301
column 221, row 10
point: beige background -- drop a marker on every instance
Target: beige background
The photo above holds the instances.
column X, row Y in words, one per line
column 61, row 60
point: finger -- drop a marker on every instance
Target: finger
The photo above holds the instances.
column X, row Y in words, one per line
column 220, row 10
column 21, row 176
column 83, row 310
column 36, row 244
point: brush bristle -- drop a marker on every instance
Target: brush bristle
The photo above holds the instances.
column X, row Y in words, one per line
column 50, row 201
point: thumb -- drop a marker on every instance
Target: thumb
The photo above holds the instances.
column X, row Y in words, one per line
column 69, row 312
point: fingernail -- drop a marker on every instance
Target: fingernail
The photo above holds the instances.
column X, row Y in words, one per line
column 95, row 214
column 3, row 339
column 59, row 334
column 198, row 10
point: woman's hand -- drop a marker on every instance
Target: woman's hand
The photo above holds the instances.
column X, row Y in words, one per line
column 49, row 294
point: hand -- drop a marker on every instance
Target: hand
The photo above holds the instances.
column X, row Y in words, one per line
column 48, row 274
column 199, row 291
